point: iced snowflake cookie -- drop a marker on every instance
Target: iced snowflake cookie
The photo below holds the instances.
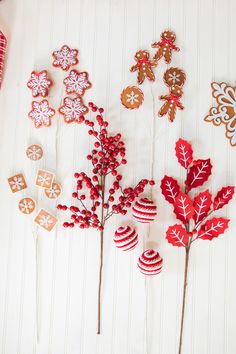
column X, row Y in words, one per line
column 17, row 183
column 132, row 97
column 26, row 205
column 174, row 76
column 73, row 109
column 41, row 114
column 44, row 179
column 39, row 83
column 65, row 58
column 34, row 152
column 77, row 83
column 45, row 220
column 54, row 191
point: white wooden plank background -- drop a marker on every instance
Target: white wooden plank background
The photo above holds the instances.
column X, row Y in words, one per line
column 138, row 317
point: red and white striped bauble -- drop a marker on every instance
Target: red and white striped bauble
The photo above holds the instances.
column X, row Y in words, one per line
column 125, row 238
column 150, row 263
column 144, row 210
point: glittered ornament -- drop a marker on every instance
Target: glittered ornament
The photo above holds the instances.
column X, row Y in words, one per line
column 150, row 262
column 144, row 210
column 125, row 238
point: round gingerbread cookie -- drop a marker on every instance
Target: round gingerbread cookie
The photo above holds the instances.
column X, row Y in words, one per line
column 174, row 76
column 34, row 152
column 26, row 205
column 132, row 97
column 54, row 191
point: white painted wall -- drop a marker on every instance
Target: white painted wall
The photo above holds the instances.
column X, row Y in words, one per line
column 138, row 318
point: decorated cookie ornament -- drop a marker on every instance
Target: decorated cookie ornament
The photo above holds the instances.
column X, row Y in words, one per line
column 77, row 83
column 150, row 263
column 225, row 110
column 144, row 210
column 44, row 179
column 126, row 238
column 41, row 114
column 165, row 46
column 144, row 66
column 65, row 58
column 132, row 97
column 45, row 220
column 17, row 183
column 172, row 102
column 3, row 47
column 39, row 83
column 54, row 191
column 26, row 205
column 174, row 76
column 73, row 109
column 34, row 152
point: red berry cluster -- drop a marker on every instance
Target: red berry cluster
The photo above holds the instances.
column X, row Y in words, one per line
column 106, row 156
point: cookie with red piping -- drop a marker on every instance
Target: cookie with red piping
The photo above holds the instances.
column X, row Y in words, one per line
column 125, row 238
column 144, row 210
column 150, row 263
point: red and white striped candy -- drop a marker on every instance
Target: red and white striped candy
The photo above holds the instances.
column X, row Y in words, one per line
column 144, row 210
column 3, row 45
column 125, row 238
column 150, row 263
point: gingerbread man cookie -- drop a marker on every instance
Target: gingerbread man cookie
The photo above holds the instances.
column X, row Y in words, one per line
column 165, row 46
column 144, row 66
column 172, row 102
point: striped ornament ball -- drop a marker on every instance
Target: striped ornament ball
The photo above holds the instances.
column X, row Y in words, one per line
column 144, row 210
column 125, row 238
column 150, row 263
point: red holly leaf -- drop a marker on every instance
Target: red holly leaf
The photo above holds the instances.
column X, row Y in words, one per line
column 223, row 197
column 183, row 207
column 170, row 189
column 198, row 173
column 177, row 235
column 184, row 153
column 202, row 204
column 213, row 228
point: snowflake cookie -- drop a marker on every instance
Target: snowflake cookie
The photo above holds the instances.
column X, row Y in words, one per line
column 41, row 113
column 225, row 111
column 17, row 183
column 77, row 82
column 39, row 83
column 65, row 57
column 174, row 76
column 26, row 205
column 34, row 152
column 73, row 109
column 44, row 179
column 45, row 220
column 54, row 191
column 132, row 97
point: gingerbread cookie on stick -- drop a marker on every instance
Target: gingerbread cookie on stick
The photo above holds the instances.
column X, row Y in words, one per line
column 165, row 46
column 144, row 66
column 174, row 78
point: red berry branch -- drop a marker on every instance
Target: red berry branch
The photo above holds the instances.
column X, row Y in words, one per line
column 100, row 202
column 193, row 213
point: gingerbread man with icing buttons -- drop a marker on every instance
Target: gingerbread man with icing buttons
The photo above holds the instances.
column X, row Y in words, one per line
column 165, row 46
column 144, row 66
column 172, row 102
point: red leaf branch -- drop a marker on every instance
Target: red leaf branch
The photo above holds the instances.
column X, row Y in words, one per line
column 170, row 189
column 184, row 153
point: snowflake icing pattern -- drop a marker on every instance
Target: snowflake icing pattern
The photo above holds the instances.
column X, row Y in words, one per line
column 54, row 191
column 174, row 77
column 45, row 221
column 77, row 82
column 41, row 113
column 132, row 97
column 73, row 109
column 26, row 206
column 65, row 57
column 39, row 83
column 17, row 183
